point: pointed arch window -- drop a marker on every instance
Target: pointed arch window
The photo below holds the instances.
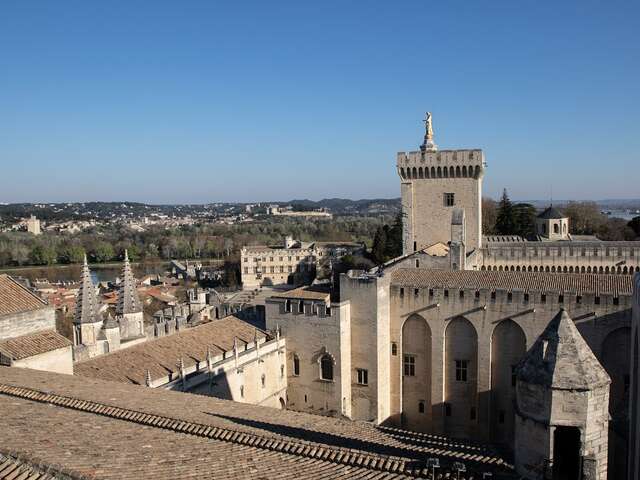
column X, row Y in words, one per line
column 326, row 367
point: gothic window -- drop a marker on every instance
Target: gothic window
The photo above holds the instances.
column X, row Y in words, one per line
column 449, row 199
column 296, row 365
column 556, row 229
column 409, row 366
column 416, row 292
column 462, row 368
column 326, row 367
column 363, row 376
column 241, row 391
column 421, row 406
column 394, row 348
column 263, row 380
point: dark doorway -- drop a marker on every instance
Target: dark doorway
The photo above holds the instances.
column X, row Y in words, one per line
column 566, row 453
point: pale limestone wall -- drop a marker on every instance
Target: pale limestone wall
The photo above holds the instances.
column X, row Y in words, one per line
column 240, row 379
column 426, row 177
column 541, row 410
column 634, row 415
column 57, row 361
column 24, row 323
column 131, row 325
column 369, row 345
column 310, row 335
column 566, row 257
column 273, row 266
column 595, row 322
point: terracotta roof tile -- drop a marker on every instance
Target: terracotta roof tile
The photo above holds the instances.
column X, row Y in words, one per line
column 32, row 344
column 14, row 298
column 159, row 356
column 527, row 281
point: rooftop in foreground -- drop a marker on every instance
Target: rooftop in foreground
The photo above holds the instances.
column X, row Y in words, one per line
column 98, row 429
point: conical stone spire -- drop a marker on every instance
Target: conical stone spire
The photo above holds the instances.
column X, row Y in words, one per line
column 128, row 299
column 561, row 359
column 87, row 303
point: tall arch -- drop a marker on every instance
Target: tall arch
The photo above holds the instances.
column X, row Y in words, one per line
column 508, row 346
column 420, row 173
column 461, row 378
column 416, row 374
column 615, row 359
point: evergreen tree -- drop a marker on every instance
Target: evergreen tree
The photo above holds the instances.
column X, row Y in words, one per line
column 525, row 220
column 505, row 222
column 394, row 239
column 379, row 248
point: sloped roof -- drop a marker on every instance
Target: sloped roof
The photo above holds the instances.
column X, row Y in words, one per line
column 160, row 356
column 219, row 439
column 305, row 293
column 14, row 298
column 527, row 281
column 551, row 213
column 32, row 344
column 561, row 359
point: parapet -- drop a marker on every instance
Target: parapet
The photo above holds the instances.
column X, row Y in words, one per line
column 441, row 164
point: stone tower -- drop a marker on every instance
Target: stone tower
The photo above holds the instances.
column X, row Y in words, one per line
column 434, row 183
column 129, row 309
column 87, row 320
column 562, row 400
column 552, row 224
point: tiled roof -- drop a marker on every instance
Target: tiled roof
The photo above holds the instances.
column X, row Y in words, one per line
column 17, row 468
column 551, row 213
column 560, row 358
column 14, row 298
column 113, row 430
column 160, row 356
column 32, row 344
column 527, row 281
column 306, row 293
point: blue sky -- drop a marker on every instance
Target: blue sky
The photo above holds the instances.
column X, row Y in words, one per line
column 203, row 101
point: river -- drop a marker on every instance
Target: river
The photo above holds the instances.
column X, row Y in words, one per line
column 99, row 273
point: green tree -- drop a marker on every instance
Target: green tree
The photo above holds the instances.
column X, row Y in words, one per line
column 43, row 255
column 489, row 216
column 634, row 225
column 394, row 238
column 524, row 215
column 102, row 252
column 505, row 221
column 71, row 253
column 585, row 218
column 379, row 248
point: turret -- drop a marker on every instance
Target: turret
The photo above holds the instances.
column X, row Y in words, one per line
column 129, row 308
column 87, row 320
column 562, row 399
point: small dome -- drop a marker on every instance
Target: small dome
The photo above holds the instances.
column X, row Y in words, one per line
column 551, row 213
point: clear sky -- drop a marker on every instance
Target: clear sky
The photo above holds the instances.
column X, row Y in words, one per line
column 204, row 101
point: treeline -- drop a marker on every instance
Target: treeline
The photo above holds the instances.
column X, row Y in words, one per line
column 585, row 218
column 105, row 244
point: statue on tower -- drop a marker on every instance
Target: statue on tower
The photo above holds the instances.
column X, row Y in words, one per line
column 427, row 144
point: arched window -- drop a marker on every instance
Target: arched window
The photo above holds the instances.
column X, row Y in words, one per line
column 556, row 229
column 287, row 306
column 326, row 367
column 263, row 380
column 296, row 365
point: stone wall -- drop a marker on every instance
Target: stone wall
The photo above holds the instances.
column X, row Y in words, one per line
column 24, row 323
column 426, row 178
column 58, row 361
column 563, row 256
column 488, row 312
column 319, row 330
column 634, row 414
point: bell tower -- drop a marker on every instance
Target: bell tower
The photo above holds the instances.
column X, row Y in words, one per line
column 435, row 184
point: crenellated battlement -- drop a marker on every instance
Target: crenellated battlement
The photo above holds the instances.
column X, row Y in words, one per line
column 441, row 164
